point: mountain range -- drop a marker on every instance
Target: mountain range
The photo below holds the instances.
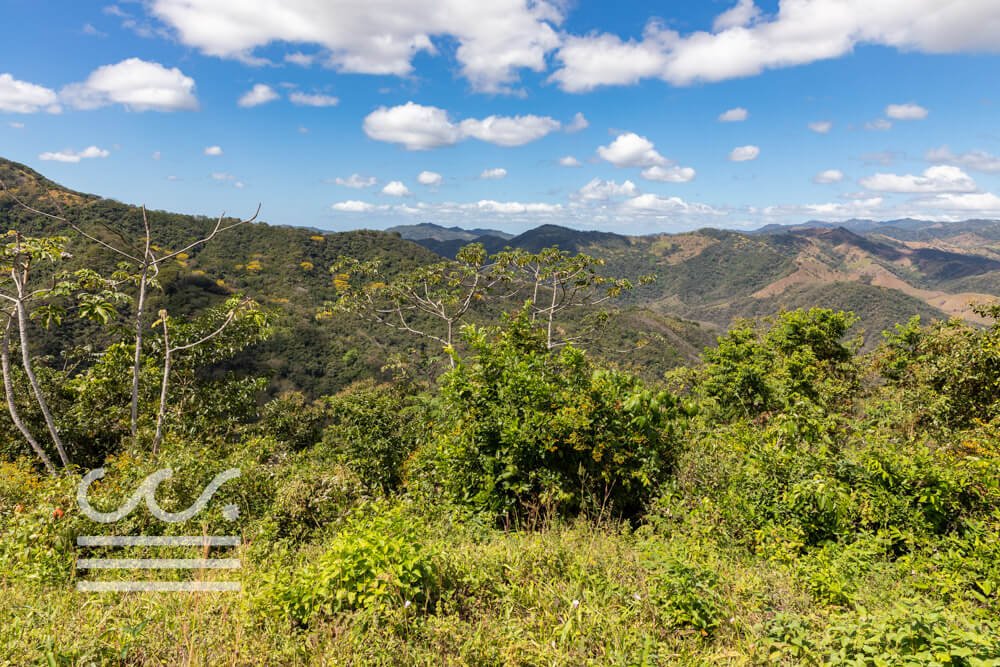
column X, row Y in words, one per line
column 886, row 271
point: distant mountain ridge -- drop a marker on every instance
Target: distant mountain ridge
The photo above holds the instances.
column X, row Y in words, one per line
column 886, row 271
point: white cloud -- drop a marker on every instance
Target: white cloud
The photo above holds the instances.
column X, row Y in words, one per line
column 906, row 112
column 631, row 150
column 356, row 181
column 829, row 176
column 866, row 207
column 979, row 202
column 353, row 206
column 213, row 151
column 742, row 14
column 419, row 127
column 509, row 130
column 598, row 190
column 880, row 124
column 821, row 126
column 802, row 31
column 578, row 123
column 259, row 94
column 734, row 115
column 73, row 156
column 156, row 155
column 650, row 203
column 674, row 174
column 430, row 178
column 492, row 206
column 23, row 97
column 494, row 40
column 415, row 126
column 16, row 125
column 975, row 160
column 137, row 84
column 939, row 178
column 301, row 59
column 395, row 189
column 493, row 174
column 569, row 161
column 744, row 153
column 225, row 177
column 313, row 100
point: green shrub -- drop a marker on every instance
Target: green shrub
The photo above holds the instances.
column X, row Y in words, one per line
column 911, row 633
column 375, row 563
column 524, row 430
column 292, row 419
column 372, row 429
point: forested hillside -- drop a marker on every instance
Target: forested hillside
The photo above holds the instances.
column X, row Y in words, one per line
column 287, row 269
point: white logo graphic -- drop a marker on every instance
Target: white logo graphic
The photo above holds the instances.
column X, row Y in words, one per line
column 147, row 491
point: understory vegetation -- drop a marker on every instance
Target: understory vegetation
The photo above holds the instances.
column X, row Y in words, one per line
column 788, row 500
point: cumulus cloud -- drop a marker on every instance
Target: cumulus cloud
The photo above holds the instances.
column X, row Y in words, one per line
column 744, row 153
column 301, row 59
column 156, row 155
column 495, row 40
column 75, row 156
column 977, row 203
column 493, row 174
column 631, row 150
column 673, row 174
column 742, row 14
column 259, row 94
column 939, row 178
column 743, row 43
column 861, row 207
column 356, row 181
column 353, row 206
column 829, row 176
column 509, row 130
column 492, row 206
column 419, row 127
column 906, row 112
column 415, row 126
column 213, row 151
column 23, row 97
column 735, row 115
column 569, row 161
column 650, row 203
column 975, row 160
column 136, row 84
column 16, row 125
column 396, row 189
column 430, row 178
column 598, row 190
column 313, row 100
column 578, row 123
column 821, row 126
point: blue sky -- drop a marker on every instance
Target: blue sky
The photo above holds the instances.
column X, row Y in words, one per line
column 510, row 114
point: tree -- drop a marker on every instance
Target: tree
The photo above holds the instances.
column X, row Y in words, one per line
column 95, row 298
column 148, row 261
column 555, row 281
column 431, row 301
column 428, row 302
column 233, row 311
